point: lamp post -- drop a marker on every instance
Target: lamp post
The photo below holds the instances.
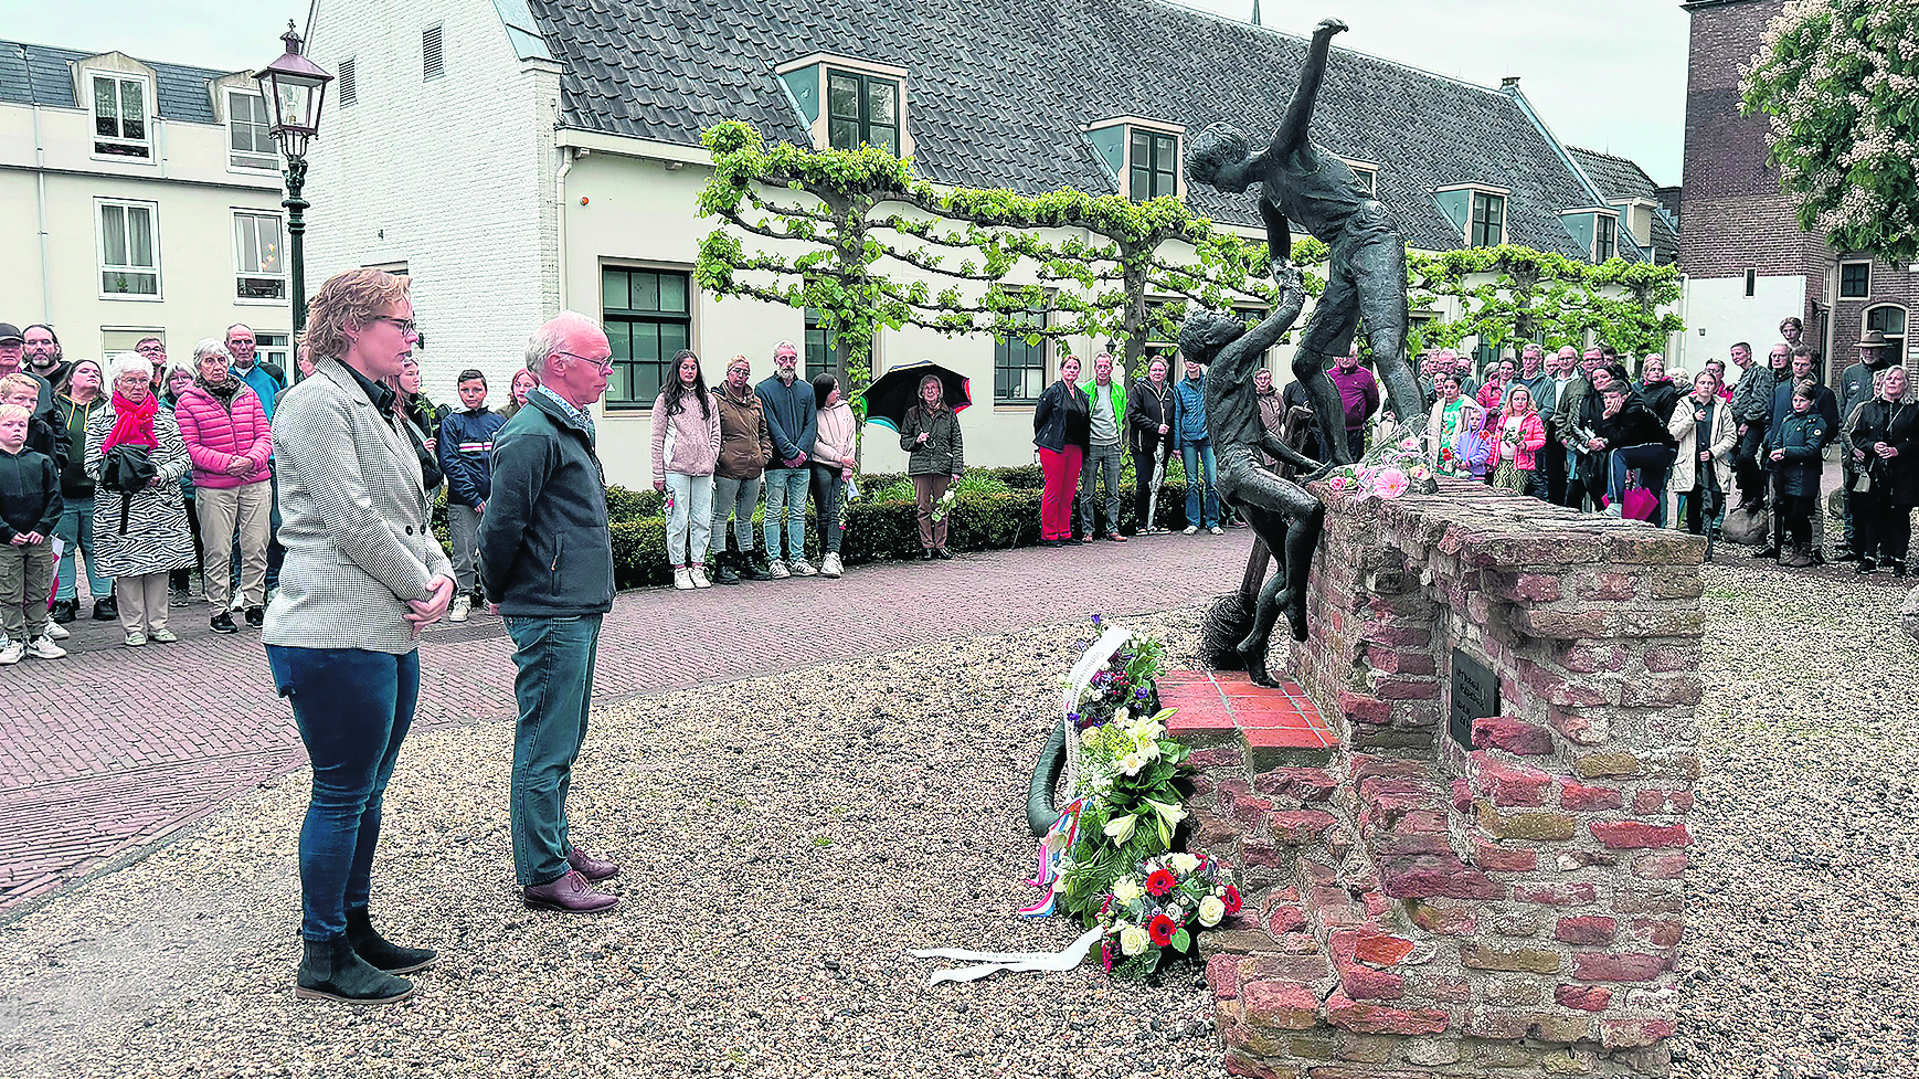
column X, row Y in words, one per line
column 293, row 87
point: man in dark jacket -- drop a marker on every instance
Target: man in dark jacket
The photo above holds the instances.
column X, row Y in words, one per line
column 1658, row 391
column 466, row 455
column 1751, row 405
column 745, row 447
column 1149, row 421
column 792, row 419
column 1630, row 436
column 548, row 557
column 1855, row 389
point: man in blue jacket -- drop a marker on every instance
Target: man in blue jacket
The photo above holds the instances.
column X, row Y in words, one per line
column 466, row 456
column 1195, row 449
column 548, row 556
column 792, row 418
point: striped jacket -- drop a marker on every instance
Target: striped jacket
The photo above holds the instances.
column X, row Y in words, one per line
column 466, row 455
column 354, row 521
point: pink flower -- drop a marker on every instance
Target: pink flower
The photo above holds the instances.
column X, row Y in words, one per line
column 1339, row 483
column 1390, row 483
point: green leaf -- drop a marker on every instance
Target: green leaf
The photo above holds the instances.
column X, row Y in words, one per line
column 1182, row 940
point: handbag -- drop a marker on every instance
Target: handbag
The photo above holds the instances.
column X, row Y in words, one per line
column 1638, row 504
column 127, row 469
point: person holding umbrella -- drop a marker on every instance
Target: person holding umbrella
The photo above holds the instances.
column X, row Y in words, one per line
column 1062, row 429
column 930, row 434
column 1149, row 418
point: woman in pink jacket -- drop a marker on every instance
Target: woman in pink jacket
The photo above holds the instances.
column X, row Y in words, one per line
column 227, row 438
column 686, row 447
column 1516, row 434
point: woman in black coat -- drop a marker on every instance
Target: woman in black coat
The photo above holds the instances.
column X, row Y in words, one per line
column 1062, row 429
column 1884, row 443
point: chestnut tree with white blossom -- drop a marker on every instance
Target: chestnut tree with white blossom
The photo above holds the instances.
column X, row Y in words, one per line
column 1839, row 82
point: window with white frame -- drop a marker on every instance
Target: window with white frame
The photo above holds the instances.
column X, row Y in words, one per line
column 249, row 145
column 1368, row 180
column 1488, row 225
column 129, row 248
column 273, row 348
column 259, row 262
column 120, row 112
column 1605, row 237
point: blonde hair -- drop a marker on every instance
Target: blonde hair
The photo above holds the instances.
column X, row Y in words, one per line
column 16, row 383
column 350, row 298
column 8, row 412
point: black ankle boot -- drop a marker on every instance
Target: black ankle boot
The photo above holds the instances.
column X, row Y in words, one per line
column 369, row 945
column 329, row 970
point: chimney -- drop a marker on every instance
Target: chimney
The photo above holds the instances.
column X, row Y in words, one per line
column 1509, row 82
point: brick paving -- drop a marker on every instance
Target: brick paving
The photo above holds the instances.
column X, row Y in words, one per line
column 112, row 750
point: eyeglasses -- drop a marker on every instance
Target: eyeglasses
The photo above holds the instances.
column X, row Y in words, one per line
column 404, row 325
column 605, row 364
column 149, row 348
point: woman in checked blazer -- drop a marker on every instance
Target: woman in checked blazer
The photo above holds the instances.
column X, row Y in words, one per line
column 363, row 575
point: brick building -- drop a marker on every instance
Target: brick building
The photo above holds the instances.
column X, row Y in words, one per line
column 1747, row 261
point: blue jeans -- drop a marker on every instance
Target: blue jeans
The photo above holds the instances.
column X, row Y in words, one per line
column 1653, row 461
column 76, row 531
column 1204, row 452
column 786, row 497
column 353, row 708
column 554, row 690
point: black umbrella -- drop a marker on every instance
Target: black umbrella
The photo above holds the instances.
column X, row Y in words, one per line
column 890, row 395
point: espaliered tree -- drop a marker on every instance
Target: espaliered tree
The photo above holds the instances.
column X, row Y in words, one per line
column 1513, row 295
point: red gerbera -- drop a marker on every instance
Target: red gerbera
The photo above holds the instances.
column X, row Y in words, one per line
column 1160, row 930
column 1232, row 899
column 1161, row 881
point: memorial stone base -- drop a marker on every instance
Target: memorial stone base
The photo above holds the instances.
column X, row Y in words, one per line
column 1462, row 832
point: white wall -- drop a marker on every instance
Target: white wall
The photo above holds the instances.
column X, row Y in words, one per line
column 1719, row 314
column 449, row 176
column 195, row 193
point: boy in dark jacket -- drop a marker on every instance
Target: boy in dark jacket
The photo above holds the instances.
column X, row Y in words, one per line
column 1793, row 452
column 30, row 507
column 1632, row 437
column 466, row 456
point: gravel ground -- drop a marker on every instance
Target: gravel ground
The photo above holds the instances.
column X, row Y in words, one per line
column 786, row 839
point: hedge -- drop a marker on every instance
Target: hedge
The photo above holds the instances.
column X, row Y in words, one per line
column 876, row 531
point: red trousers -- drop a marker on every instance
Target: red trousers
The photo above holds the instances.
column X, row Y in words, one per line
column 1061, row 469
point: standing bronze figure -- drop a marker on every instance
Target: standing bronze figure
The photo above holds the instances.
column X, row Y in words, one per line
column 1308, row 185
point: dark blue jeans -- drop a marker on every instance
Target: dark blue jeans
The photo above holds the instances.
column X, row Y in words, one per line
column 353, row 708
column 554, row 690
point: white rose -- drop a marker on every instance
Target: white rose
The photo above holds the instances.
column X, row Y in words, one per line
column 1133, row 939
column 1125, row 891
column 1120, row 716
column 1211, row 910
column 1184, row 863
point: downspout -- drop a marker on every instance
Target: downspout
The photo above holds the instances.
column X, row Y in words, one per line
column 40, row 193
column 559, row 218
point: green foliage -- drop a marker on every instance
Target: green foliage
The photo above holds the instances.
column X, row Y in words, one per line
column 1129, row 768
column 1510, row 295
column 1839, row 82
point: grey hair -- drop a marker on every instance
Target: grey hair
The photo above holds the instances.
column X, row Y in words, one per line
column 127, row 363
column 181, row 367
column 210, row 346
column 552, row 335
column 786, row 345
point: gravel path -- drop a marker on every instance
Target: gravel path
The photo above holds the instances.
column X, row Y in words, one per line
column 787, row 838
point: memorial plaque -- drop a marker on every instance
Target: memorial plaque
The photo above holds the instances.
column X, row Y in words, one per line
column 1475, row 696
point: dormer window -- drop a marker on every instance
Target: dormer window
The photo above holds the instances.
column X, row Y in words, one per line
column 1488, row 227
column 120, row 116
column 848, row 103
column 1595, row 229
column 1142, row 156
column 249, row 146
column 1605, row 237
column 1368, row 174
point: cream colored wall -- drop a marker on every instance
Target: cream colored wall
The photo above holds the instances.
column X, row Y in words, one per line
column 195, row 194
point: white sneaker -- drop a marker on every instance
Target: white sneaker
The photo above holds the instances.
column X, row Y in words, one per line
column 698, row 573
column 778, row 569
column 830, row 565
column 462, row 607
column 1216, row 530
column 1613, row 511
column 682, row 579
column 42, row 647
column 1191, row 530
column 801, row 568
column 10, row 653
column 57, row 631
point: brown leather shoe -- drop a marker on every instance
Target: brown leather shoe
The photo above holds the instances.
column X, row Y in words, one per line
column 571, row 894
column 593, row 869
column 1115, row 537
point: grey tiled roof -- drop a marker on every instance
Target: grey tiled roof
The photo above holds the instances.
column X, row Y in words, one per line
column 43, row 77
column 1621, row 178
column 999, row 89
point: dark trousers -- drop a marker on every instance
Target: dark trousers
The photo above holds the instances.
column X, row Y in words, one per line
column 353, row 708
column 1552, row 468
column 1747, row 475
column 1652, row 461
column 180, row 577
column 927, row 491
column 1582, row 483
column 1884, row 529
column 1795, row 519
column 827, row 483
column 554, row 690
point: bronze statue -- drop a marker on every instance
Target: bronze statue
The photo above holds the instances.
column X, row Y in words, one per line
column 1284, row 514
column 1308, row 185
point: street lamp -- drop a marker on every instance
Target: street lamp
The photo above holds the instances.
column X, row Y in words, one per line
column 293, row 87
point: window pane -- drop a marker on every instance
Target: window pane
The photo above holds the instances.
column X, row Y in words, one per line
column 843, row 97
column 613, row 290
column 884, row 138
column 267, row 233
column 133, row 110
column 105, row 108
column 113, row 235
column 646, row 292
column 620, row 336
column 246, row 253
column 843, row 134
column 882, row 102
column 140, row 236
column 672, row 292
